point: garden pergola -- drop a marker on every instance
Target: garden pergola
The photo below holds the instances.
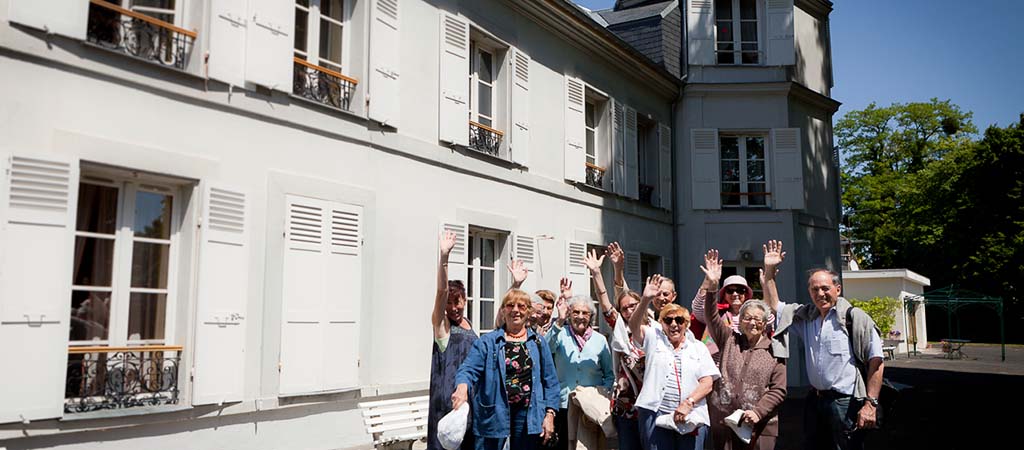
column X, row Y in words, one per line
column 952, row 299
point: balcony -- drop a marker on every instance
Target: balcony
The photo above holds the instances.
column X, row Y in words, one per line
column 595, row 176
column 322, row 85
column 646, row 194
column 485, row 139
column 138, row 35
column 100, row 378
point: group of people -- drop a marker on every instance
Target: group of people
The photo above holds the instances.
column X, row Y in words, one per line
column 671, row 376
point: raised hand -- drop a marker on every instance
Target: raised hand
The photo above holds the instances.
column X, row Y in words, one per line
column 517, row 268
column 563, row 309
column 617, row 256
column 593, row 262
column 565, row 288
column 447, row 242
column 773, row 256
column 712, row 269
column 653, row 286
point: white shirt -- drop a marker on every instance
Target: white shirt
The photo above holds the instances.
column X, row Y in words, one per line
column 697, row 364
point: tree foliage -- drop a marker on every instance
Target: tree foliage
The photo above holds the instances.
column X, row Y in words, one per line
column 882, row 310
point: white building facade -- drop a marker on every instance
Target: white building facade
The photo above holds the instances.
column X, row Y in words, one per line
column 219, row 219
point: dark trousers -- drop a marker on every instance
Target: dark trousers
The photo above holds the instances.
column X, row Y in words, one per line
column 657, row 438
column 629, row 433
column 520, row 438
column 829, row 422
column 562, row 428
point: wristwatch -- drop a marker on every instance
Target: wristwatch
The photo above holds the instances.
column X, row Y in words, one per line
column 872, row 400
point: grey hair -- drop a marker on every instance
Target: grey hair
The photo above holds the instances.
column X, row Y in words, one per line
column 754, row 304
column 582, row 300
column 832, row 273
column 536, row 300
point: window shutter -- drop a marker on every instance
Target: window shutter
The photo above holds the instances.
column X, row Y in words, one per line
column 385, row 63
column 618, row 152
column 223, row 296
column 303, row 295
column 525, row 248
column 458, row 259
column 707, row 191
column 269, row 44
column 788, row 169
column 632, row 273
column 37, row 217
column 343, row 289
column 576, row 269
column 632, row 187
column 780, row 51
column 575, row 130
column 665, row 168
column 520, row 102
column 228, row 27
column 64, row 17
column 700, row 32
column 453, row 116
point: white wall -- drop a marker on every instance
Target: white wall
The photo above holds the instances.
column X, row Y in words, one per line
column 895, row 283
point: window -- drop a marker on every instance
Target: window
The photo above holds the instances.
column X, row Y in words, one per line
column 123, row 25
column 751, row 273
column 482, row 291
column 486, row 95
column 319, row 27
column 481, row 84
column 597, row 148
column 647, row 157
column 744, row 171
column 591, row 127
column 736, row 34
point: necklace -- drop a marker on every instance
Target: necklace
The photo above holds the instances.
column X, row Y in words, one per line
column 516, row 336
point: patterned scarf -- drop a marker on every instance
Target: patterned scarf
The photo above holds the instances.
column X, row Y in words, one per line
column 581, row 340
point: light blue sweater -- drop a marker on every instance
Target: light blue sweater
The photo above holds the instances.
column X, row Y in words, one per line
column 590, row 367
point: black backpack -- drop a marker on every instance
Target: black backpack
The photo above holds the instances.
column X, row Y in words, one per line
column 888, row 395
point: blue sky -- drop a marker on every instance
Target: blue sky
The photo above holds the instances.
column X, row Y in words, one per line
column 912, row 50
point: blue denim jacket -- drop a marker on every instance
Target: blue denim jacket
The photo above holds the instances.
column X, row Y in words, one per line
column 484, row 372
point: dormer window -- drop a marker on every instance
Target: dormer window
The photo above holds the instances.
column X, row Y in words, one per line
column 736, row 32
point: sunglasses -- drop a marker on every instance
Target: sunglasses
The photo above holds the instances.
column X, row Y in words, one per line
column 679, row 320
column 735, row 290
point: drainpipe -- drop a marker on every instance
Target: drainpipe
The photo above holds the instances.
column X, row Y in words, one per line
column 675, row 179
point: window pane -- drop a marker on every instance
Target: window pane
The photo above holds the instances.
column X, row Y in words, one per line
column 301, row 29
column 97, row 209
column 755, row 148
column 751, row 58
column 755, row 170
column 486, row 315
column 94, row 262
column 730, row 170
column 149, row 265
column 724, row 28
column 590, row 146
column 748, row 9
column 730, row 147
column 756, row 200
column 590, row 115
column 723, row 9
column 331, row 8
column 330, row 41
column 486, row 283
column 146, row 316
column 486, row 70
column 469, row 284
column 90, row 315
column 487, row 252
column 153, row 215
column 484, row 100
column 748, row 32
column 730, row 188
column 304, row 3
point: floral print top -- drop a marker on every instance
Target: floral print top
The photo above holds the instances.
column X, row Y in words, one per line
column 518, row 374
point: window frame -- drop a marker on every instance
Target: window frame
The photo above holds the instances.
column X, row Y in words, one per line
column 743, row 181
column 176, row 13
column 474, row 273
column 313, row 17
column 736, row 22
column 477, row 46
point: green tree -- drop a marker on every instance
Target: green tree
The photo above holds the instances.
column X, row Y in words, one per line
column 882, row 310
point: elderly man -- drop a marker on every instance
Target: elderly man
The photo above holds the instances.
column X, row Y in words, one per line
column 843, row 354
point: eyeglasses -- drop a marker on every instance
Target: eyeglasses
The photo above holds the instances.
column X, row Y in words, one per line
column 678, row 319
column 752, row 319
column 735, row 290
column 518, row 306
column 579, row 313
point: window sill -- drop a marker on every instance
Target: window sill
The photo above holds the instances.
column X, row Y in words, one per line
column 480, row 154
column 143, row 61
column 318, row 105
column 126, row 412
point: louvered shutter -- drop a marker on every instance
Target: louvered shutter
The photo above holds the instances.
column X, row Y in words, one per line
column 223, row 296
column 64, row 17
column 576, row 269
column 632, row 188
column 519, row 143
column 453, row 115
column 707, row 193
column 780, row 51
column 228, row 27
column 700, row 32
column 269, row 44
column 618, row 152
column 525, row 248
column 632, row 274
column 303, row 320
column 37, row 217
column 343, row 294
column 385, row 63
column 787, row 169
column 575, row 130
column 665, row 167
column 458, row 259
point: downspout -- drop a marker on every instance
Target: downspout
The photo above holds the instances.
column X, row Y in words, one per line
column 675, row 179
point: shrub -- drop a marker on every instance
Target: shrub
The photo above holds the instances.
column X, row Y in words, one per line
column 882, row 310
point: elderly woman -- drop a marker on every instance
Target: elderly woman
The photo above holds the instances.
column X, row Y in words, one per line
column 453, row 337
column 753, row 380
column 678, row 375
column 582, row 357
column 515, row 388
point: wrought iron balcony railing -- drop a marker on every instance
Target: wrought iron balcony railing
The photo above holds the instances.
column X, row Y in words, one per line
column 101, row 378
column 595, row 176
column 323, row 85
column 484, row 138
column 139, row 35
column 646, row 194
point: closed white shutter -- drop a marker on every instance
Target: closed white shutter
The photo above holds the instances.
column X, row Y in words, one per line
column 269, row 44
column 700, row 32
column 64, row 17
column 665, row 167
column 520, row 105
column 575, row 130
column 303, row 321
column 37, row 217
column 343, row 294
column 458, row 259
column 632, row 273
column 453, row 114
column 227, row 41
column 780, row 51
column 385, row 63
column 576, row 269
column 787, row 169
column 707, row 193
column 618, row 152
column 223, row 296
column 525, row 248
column 630, row 144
